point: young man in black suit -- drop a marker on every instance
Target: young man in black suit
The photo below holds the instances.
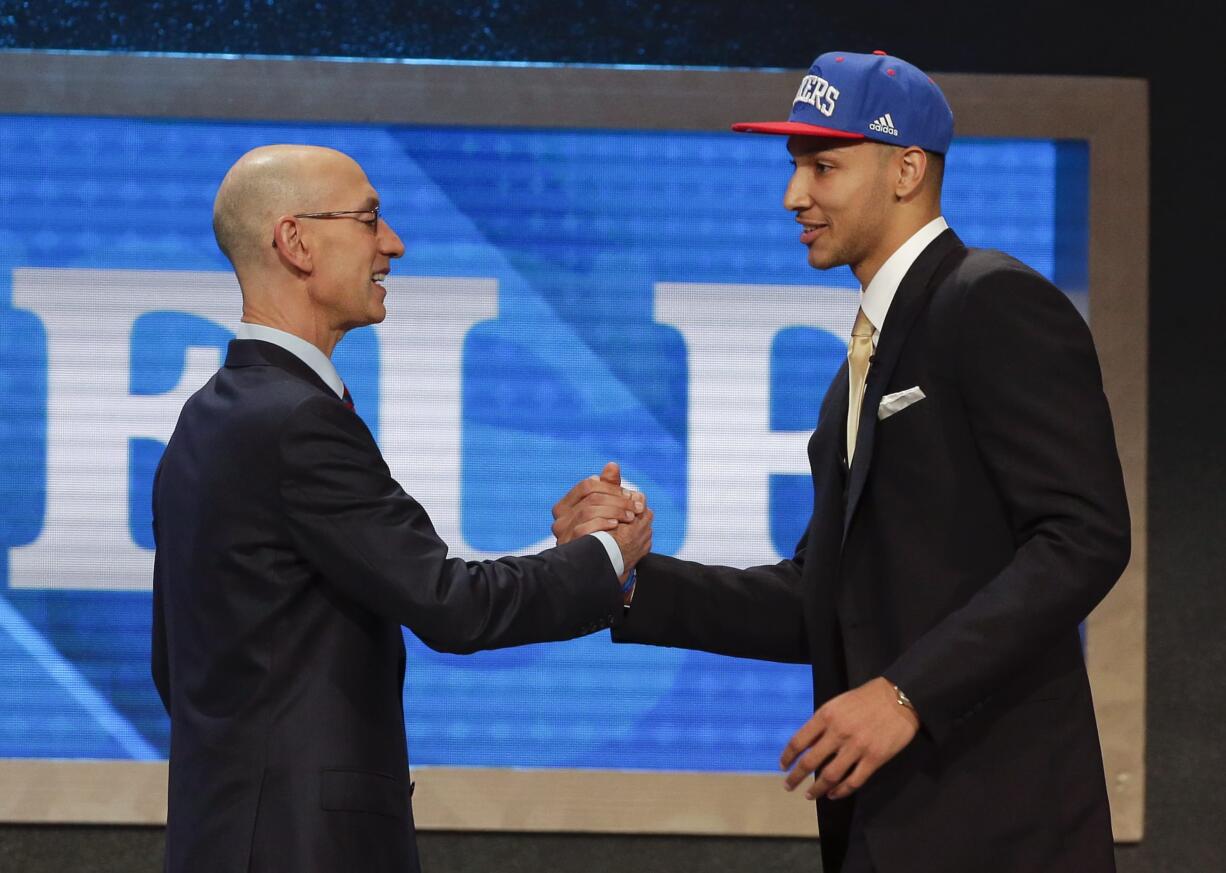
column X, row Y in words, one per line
column 969, row 512
column 288, row 558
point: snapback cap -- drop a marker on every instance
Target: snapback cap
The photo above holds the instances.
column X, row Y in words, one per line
column 866, row 96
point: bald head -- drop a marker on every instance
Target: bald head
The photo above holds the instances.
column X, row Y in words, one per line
column 269, row 182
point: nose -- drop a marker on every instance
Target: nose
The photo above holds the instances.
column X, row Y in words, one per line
column 796, row 195
column 390, row 243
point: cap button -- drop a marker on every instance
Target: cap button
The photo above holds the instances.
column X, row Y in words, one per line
column 879, row 52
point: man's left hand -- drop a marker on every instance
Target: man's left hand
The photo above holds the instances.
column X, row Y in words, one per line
column 848, row 739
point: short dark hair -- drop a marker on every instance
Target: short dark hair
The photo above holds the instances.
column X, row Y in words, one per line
column 936, row 166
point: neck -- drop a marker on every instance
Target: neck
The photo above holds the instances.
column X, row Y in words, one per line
column 276, row 308
column 890, row 242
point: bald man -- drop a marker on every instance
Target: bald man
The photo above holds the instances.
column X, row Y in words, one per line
column 288, row 558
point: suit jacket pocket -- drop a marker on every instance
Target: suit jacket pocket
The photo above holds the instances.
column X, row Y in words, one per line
column 364, row 791
column 892, row 404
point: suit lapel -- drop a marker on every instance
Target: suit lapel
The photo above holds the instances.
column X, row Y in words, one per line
column 910, row 299
column 826, row 446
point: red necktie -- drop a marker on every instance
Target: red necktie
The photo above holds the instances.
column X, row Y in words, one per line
column 347, row 398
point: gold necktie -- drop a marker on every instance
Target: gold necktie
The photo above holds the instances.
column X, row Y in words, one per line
column 858, row 354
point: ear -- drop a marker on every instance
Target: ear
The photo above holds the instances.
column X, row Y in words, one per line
column 290, row 245
column 912, row 166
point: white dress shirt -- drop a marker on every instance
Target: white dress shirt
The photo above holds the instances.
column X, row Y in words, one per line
column 877, row 297
column 875, row 300
column 321, row 364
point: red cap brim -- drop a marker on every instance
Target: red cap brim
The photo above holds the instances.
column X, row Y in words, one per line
column 793, row 128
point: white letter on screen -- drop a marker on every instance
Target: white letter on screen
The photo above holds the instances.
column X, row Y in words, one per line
column 85, row 541
column 422, row 347
column 728, row 331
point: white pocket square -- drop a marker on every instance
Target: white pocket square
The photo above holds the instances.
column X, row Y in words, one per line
column 898, row 401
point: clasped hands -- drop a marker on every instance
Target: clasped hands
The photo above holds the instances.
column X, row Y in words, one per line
column 600, row 503
column 846, row 740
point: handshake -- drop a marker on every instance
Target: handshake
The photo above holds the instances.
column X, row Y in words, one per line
column 600, row 503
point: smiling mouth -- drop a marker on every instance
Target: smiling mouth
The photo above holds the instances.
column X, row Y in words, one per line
column 809, row 232
column 378, row 278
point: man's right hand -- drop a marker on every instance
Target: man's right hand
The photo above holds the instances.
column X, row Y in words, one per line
column 634, row 539
column 599, row 503
column 594, row 504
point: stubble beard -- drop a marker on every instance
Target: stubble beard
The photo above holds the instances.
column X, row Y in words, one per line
column 829, row 256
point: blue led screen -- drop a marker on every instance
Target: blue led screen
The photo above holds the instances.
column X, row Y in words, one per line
column 567, row 297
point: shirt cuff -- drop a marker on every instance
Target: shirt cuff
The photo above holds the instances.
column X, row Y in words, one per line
column 614, row 550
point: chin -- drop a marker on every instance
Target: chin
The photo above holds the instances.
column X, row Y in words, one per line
column 819, row 261
column 377, row 311
column 825, row 258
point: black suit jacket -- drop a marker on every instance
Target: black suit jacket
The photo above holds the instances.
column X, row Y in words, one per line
column 287, row 560
column 973, row 533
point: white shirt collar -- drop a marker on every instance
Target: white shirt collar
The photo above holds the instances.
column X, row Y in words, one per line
column 308, row 353
column 880, row 292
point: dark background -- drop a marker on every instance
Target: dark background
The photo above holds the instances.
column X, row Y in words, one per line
column 1172, row 45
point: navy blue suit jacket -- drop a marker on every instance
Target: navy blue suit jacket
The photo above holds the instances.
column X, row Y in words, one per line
column 287, row 561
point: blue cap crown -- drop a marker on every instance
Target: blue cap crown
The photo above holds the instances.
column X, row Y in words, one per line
column 867, row 96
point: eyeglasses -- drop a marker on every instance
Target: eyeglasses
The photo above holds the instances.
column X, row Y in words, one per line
column 372, row 222
column 355, row 214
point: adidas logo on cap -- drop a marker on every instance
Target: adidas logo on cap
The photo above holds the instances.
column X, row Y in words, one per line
column 866, row 85
column 884, row 124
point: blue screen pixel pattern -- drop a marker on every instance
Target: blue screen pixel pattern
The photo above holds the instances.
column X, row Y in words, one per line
column 578, row 228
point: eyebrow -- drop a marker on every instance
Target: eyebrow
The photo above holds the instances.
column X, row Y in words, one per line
column 817, row 154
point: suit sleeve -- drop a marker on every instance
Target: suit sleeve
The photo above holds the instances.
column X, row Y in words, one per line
column 1039, row 419
column 374, row 543
column 160, row 656
column 753, row 613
